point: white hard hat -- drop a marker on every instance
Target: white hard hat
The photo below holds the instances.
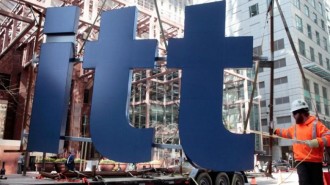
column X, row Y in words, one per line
column 298, row 104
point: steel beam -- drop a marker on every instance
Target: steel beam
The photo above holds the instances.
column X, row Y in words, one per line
column 15, row 16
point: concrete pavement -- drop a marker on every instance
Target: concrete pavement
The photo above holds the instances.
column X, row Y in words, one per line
column 286, row 178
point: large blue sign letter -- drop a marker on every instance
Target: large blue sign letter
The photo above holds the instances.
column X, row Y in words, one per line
column 52, row 92
column 203, row 54
column 113, row 56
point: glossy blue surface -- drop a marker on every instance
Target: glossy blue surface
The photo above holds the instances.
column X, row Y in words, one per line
column 53, row 82
column 51, row 98
column 63, row 20
column 203, row 54
column 113, row 56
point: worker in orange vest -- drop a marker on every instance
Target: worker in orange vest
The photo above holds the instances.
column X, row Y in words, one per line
column 311, row 136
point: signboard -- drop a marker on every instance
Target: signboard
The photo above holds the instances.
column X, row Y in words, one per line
column 202, row 55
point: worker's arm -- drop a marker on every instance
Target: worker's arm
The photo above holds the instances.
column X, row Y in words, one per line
column 286, row 133
column 323, row 135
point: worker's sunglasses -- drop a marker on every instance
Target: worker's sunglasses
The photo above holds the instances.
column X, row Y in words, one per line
column 296, row 112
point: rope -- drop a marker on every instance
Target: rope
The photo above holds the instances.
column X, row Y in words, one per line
column 297, row 166
column 273, row 136
column 276, row 136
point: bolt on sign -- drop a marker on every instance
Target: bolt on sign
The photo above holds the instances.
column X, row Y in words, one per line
column 202, row 55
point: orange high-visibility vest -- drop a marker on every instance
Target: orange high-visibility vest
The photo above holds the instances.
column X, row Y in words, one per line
column 310, row 129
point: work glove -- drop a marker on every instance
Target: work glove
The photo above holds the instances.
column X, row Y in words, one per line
column 312, row 143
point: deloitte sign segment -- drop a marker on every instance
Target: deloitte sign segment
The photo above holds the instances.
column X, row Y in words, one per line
column 202, row 55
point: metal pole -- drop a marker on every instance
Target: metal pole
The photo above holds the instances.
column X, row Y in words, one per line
column 43, row 161
column 251, row 97
column 271, row 108
column 160, row 24
column 85, row 143
column 29, row 92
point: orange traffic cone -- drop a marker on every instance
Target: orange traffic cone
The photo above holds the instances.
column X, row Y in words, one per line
column 253, row 181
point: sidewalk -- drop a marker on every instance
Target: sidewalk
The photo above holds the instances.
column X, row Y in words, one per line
column 287, row 178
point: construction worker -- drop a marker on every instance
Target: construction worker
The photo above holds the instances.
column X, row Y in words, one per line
column 20, row 164
column 70, row 162
column 310, row 136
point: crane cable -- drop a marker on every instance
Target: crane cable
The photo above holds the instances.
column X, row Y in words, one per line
column 160, row 24
column 304, row 82
column 302, row 74
column 296, row 55
column 91, row 28
column 254, row 81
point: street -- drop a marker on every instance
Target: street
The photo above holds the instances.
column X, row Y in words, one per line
column 287, row 178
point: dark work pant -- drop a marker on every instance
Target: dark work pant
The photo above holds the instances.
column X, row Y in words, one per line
column 310, row 173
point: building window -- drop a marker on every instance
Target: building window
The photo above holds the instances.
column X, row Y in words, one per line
column 314, row 18
column 254, row 10
column 309, row 31
column 309, row 102
column 279, row 44
column 302, row 47
column 306, row 85
column 264, row 122
column 257, row 51
column 316, row 89
column 326, row 109
column 322, row 25
column 325, row 43
column 312, row 54
column 320, row 59
column 283, row 119
column 317, row 34
column 328, row 63
column 313, row 3
column 306, row 10
column 262, row 84
column 299, row 25
column 280, row 63
column 281, row 80
column 320, row 8
column 263, row 103
column 325, row 93
column 325, row 101
column 282, row 100
column 318, row 106
column 297, row 3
